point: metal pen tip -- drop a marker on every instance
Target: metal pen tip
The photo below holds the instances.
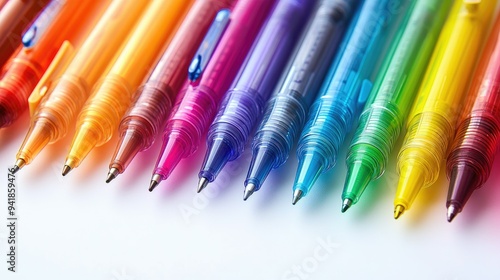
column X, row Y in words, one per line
column 155, row 180
column 452, row 212
column 113, row 172
column 297, row 195
column 398, row 211
column 20, row 163
column 66, row 170
column 15, row 169
column 346, row 204
column 202, row 183
column 249, row 190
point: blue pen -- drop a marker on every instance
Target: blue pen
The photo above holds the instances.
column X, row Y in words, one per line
column 345, row 90
column 42, row 23
column 285, row 113
column 244, row 103
column 207, row 47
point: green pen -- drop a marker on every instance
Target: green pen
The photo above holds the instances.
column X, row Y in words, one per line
column 392, row 96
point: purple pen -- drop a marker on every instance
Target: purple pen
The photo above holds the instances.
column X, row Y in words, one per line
column 243, row 105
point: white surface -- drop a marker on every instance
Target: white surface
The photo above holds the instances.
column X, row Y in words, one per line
column 79, row 227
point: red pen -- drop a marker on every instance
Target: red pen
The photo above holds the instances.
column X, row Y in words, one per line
column 478, row 133
column 149, row 112
column 69, row 21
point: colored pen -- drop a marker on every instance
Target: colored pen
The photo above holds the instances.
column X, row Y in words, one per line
column 243, row 104
column 65, row 95
column 345, row 90
column 72, row 21
column 111, row 98
column 391, row 98
column 434, row 115
column 155, row 98
column 196, row 106
column 476, row 141
column 15, row 17
column 286, row 111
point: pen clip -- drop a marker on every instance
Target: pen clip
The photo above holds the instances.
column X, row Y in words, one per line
column 208, row 45
column 42, row 23
column 58, row 65
column 364, row 93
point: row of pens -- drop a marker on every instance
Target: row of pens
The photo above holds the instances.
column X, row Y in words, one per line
column 290, row 70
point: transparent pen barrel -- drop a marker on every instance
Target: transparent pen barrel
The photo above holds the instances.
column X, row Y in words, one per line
column 150, row 111
column 283, row 120
column 426, row 144
column 328, row 124
column 191, row 116
column 106, row 106
column 476, row 144
column 378, row 130
column 240, row 111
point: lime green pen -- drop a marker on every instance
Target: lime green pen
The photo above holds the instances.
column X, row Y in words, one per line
column 391, row 98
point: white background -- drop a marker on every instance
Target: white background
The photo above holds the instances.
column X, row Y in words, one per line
column 79, row 227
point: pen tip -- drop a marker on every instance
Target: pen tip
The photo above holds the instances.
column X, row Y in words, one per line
column 452, row 212
column 297, row 195
column 398, row 211
column 249, row 190
column 66, row 170
column 155, row 180
column 19, row 164
column 202, row 183
column 346, row 204
column 112, row 173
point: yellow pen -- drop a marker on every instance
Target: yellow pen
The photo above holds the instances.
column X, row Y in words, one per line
column 432, row 121
column 113, row 95
column 66, row 85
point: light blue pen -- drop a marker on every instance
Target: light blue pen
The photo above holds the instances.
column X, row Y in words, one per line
column 345, row 90
column 286, row 111
column 42, row 23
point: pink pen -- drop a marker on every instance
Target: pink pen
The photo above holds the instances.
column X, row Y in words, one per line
column 196, row 106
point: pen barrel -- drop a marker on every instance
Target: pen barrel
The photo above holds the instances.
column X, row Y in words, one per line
column 236, row 119
column 425, row 144
column 329, row 122
column 142, row 123
column 283, row 119
column 150, row 111
column 104, row 109
column 475, row 145
column 62, row 104
column 191, row 116
column 378, row 130
column 15, row 87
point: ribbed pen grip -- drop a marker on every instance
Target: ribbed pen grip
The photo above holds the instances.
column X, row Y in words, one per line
column 475, row 144
column 326, row 138
column 191, row 116
column 62, row 105
column 283, row 119
column 236, row 119
column 15, row 90
column 377, row 132
column 426, row 144
column 106, row 106
column 150, row 112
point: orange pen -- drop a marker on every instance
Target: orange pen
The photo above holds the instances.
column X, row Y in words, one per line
column 15, row 16
column 112, row 97
column 70, row 20
column 67, row 85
